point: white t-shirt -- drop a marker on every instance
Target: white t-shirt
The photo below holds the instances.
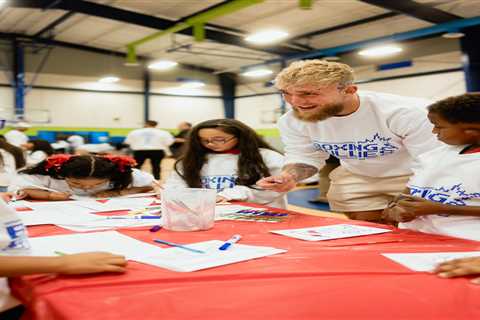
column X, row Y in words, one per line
column 16, row 137
column 380, row 139
column 221, row 171
column 7, row 301
column 23, row 181
column 8, row 170
column 76, row 141
column 443, row 175
column 149, row 139
column 96, row 147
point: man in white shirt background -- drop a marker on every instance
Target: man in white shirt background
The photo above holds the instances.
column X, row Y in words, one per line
column 17, row 135
column 149, row 143
column 376, row 136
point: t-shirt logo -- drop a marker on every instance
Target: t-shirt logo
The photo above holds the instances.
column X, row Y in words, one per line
column 455, row 195
column 218, row 182
column 377, row 146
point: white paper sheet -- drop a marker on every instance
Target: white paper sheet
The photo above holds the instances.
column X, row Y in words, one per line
column 427, row 261
column 178, row 259
column 101, row 223
column 109, row 241
column 336, row 231
column 56, row 215
column 117, row 204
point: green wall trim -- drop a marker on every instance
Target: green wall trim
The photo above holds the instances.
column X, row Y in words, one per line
column 120, row 132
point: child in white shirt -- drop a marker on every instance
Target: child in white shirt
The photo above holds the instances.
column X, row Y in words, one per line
column 13, row 239
column 444, row 192
column 99, row 176
column 227, row 155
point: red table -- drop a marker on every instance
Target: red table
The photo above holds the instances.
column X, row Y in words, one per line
column 337, row 279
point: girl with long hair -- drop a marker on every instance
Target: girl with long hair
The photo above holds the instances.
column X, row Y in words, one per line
column 229, row 156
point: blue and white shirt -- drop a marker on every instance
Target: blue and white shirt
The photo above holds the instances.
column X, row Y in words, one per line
column 445, row 176
column 380, row 139
column 220, row 172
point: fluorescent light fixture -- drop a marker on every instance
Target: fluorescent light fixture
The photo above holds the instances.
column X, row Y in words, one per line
column 453, row 35
column 267, row 36
column 109, row 79
column 192, row 84
column 255, row 73
column 162, row 65
column 380, row 51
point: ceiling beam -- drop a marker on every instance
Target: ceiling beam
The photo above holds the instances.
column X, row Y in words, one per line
column 49, row 29
column 414, row 9
column 50, row 42
column 131, row 17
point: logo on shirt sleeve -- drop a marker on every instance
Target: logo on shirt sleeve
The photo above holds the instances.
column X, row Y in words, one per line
column 218, row 182
column 455, row 195
column 376, row 147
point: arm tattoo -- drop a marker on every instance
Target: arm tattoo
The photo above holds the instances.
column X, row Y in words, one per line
column 300, row 171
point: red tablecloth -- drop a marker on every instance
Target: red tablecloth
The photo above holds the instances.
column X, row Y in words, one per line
column 337, row 279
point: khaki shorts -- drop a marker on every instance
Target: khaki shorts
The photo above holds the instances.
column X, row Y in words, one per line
column 350, row 192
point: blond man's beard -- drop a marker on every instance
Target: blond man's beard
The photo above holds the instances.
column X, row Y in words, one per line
column 325, row 113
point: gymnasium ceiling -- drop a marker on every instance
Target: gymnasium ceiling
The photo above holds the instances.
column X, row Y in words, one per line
column 107, row 26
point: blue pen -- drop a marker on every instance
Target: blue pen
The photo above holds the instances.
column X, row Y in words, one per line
column 136, row 217
column 229, row 242
column 171, row 244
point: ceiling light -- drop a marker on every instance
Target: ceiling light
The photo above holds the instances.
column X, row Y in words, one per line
column 453, row 35
column 109, row 79
column 267, row 36
column 193, row 84
column 255, row 73
column 380, row 51
column 162, row 65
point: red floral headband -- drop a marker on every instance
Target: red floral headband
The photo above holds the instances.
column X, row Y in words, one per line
column 56, row 161
column 121, row 161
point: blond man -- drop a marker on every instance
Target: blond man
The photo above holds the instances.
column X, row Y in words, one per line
column 375, row 135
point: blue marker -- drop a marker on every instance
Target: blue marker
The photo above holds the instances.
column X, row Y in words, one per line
column 230, row 241
column 136, row 217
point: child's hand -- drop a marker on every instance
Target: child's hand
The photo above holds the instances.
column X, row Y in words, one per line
column 221, row 199
column 92, row 262
column 12, row 196
column 419, row 206
column 459, row 267
column 281, row 183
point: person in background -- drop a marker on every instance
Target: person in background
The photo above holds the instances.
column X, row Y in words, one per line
column 443, row 195
column 149, row 143
column 376, row 136
column 17, row 135
column 98, row 176
column 15, row 265
column 37, row 151
column 15, row 151
column 227, row 155
column 180, row 138
column 75, row 141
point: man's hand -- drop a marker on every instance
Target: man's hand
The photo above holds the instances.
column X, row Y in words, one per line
column 281, row 183
column 92, row 262
column 459, row 267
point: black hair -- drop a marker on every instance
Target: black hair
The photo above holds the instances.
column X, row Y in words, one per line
column 151, row 123
column 42, row 145
column 15, row 151
column 464, row 108
column 251, row 166
column 78, row 167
